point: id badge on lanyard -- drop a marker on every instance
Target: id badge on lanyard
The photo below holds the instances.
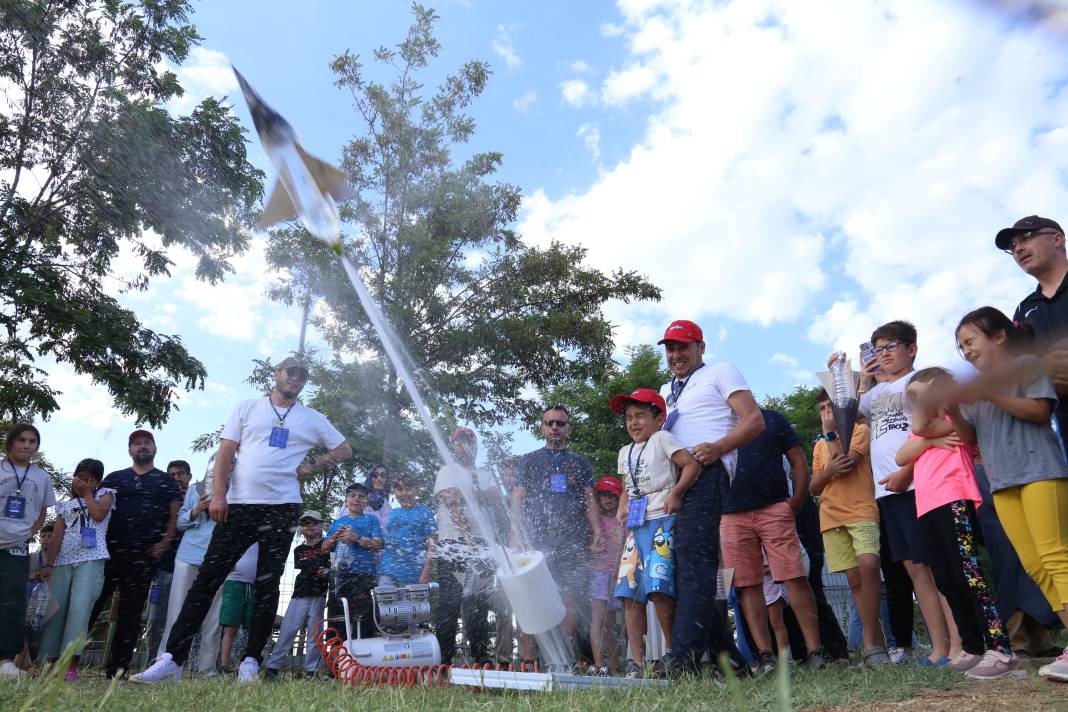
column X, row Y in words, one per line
column 558, row 482
column 636, row 511
column 279, row 437
column 88, row 537
column 672, row 416
column 15, row 507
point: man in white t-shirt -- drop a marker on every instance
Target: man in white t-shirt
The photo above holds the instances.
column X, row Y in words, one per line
column 264, row 443
column 465, row 493
column 711, row 412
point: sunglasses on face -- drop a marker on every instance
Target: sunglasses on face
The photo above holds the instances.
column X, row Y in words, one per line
column 557, row 423
column 297, row 373
column 1026, row 237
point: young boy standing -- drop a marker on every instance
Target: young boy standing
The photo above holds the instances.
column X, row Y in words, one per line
column 354, row 539
column 849, row 521
column 238, row 593
column 406, row 557
column 652, row 493
column 309, row 597
column 889, row 414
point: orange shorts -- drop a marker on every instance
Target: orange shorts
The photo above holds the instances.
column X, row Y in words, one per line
column 742, row 534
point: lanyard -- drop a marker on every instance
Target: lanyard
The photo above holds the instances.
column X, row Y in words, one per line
column 19, row 482
column 631, row 467
column 673, row 398
column 281, row 418
column 81, row 512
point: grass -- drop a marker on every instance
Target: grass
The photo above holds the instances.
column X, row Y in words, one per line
column 806, row 690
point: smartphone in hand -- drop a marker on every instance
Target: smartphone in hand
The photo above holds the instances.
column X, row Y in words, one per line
column 867, row 355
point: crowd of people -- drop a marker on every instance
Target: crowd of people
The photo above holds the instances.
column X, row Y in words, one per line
column 710, row 489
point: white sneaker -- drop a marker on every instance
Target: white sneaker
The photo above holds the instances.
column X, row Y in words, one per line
column 10, row 671
column 162, row 669
column 249, row 671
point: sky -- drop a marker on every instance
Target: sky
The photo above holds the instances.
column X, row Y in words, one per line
column 790, row 174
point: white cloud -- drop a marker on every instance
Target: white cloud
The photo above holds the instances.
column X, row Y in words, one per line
column 83, row 403
column 525, row 101
column 576, row 92
column 581, row 66
column 591, row 138
column 833, row 163
column 504, row 48
column 793, row 370
column 205, row 73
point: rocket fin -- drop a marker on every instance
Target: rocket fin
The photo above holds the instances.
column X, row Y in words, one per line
column 279, row 208
column 330, row 180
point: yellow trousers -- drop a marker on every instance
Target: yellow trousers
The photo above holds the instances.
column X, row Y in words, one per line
column 1035, row 518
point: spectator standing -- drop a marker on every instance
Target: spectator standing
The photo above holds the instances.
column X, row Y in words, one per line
column 379, row 487
column 76, row 555
column 140, row 532
column 160, row 591
column 265, row 444
column 711, row 412
column 26, row 493
column 406, row 556
column 238, row 595
column 354, row 538
column 309, row 598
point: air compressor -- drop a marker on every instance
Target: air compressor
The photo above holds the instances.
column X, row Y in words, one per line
column 401, row 614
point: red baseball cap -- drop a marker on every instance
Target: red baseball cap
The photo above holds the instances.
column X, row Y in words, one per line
column 137, row 433
column 609, row 484
column 618, row 404
column 682, row 331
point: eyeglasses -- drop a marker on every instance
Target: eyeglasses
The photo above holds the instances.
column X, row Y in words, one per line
column 887, row 348
column 557, row 423
column 297, row 372
column 1026, row 237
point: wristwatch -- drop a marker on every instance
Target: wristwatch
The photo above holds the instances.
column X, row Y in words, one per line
column 830, row 437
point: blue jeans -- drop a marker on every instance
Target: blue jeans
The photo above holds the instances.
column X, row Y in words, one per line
column 75, row 587
column 699, row 627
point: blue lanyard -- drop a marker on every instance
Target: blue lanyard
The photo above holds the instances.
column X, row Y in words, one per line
column 673, row 397
column 281, row 418
column 631, row 467
column 18, row 482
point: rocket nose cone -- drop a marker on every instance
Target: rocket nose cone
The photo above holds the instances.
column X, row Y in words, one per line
column 251, row 96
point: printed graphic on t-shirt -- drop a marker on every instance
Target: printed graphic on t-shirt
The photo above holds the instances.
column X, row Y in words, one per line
column 888, row 415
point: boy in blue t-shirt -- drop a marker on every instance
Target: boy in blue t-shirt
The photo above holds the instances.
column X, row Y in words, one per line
column 406, row 557
column 354, row 539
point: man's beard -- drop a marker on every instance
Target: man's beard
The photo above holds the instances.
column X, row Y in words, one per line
column 143, row 458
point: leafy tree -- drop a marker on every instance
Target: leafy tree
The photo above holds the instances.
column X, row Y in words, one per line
column 596, row 431
column 799, row 407
column 90, row 161
column 489, row 319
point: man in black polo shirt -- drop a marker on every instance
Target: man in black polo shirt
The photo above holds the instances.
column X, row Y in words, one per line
column 141, row 531
column 1037, row 245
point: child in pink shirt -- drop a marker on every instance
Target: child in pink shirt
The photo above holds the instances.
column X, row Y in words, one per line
column 603, row 576
column 946, row 499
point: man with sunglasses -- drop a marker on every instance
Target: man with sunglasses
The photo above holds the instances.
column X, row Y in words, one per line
column 553, row 500
column 1037, row 245
column 141, row 532
column 264, row 445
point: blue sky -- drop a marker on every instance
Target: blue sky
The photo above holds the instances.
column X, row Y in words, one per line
column 791, row 174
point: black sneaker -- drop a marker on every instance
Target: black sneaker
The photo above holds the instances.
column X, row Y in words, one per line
column 270, row 674
column 817, row 659
column 766, row 662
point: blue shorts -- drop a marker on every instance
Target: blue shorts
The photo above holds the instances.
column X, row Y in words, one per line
column 648, row 564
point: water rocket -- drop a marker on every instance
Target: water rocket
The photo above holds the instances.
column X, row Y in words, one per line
column 841, row 386
column 307, row 187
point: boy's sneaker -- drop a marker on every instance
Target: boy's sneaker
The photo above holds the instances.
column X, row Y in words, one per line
column 10, row 671
column 635, row 670
column 1056, row 670
column 270, row 674
column 994, row 665
column 897, row 655
column 817, row 659
column 249, row 670
column 766, row 662
column 162, row 669
column 876, row 658
column 71, row 675
column 964, row 662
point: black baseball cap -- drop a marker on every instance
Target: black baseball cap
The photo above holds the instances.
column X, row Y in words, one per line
column 1028, row 224
column 356, row 487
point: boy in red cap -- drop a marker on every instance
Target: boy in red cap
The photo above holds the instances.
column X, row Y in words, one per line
column 652, row 493
column 603, row 569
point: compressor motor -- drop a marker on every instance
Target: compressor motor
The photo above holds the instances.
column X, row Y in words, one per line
column 401, row 615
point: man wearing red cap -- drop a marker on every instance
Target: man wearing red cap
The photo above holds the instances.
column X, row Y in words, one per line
column 711, row 411
column 465, row 576
column 141, row 531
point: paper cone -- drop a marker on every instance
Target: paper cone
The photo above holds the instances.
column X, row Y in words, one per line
column 841, row 386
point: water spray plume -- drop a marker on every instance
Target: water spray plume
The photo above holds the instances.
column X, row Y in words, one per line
column 307, row 187
column 841, row 385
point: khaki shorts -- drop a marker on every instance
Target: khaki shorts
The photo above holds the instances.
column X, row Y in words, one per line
column 845, row 543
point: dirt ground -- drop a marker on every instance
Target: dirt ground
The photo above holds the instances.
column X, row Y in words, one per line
column 1008, row 695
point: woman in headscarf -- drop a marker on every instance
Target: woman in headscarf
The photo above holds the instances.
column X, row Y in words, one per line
column 378, row 489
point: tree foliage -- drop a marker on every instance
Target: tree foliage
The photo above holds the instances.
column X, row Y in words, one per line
column 799, row 407
column 91, row 161
column 596, row 431
column 488, row 319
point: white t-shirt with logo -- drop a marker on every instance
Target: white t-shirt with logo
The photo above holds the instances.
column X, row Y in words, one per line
column 464, row 480
column 704, row 414
column 268, row 475
column 655, row 474
column 889, row 414
column 71, row 550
